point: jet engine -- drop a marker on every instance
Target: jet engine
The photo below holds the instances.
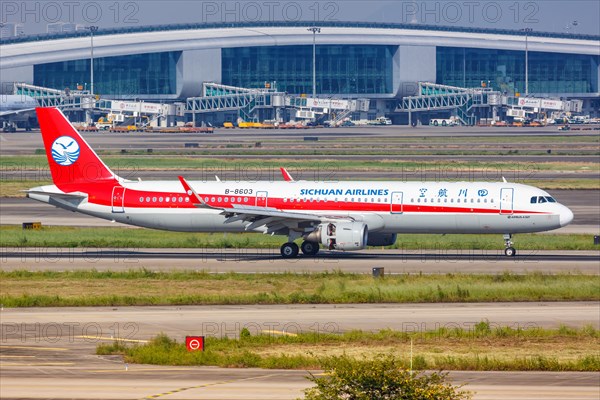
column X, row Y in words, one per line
column 340, row 236
column 382, row 239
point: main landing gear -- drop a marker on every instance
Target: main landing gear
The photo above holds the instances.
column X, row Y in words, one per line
column 310, row 248
column 291, row 249
column 509, row 250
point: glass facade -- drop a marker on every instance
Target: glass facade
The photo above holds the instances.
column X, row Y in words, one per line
column 143, row 74
column 341, row 69
column 505, row 70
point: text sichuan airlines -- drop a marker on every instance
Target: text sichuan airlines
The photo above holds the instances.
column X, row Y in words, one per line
column 342, row 192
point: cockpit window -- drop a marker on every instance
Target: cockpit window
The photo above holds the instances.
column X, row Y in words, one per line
column 542, row 199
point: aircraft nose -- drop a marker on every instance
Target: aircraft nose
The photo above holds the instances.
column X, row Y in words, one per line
column 566, row 216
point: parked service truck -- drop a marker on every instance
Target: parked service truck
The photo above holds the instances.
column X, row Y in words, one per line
column 452, row 121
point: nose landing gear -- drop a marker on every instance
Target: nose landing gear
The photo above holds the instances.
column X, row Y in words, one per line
column 509, row 250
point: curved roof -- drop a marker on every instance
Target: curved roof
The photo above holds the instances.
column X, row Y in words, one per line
column 323, row 24
column 124, row 41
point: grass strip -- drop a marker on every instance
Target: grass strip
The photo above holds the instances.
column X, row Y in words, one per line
column 480, row 347
column 143, row 287
column 132, row 239
column 182, row 161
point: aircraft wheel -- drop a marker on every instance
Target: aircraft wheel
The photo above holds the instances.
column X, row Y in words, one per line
column 289, row 250
column 310, row 248
column 510, row 252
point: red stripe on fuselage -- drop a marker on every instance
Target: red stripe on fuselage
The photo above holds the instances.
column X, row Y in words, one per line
column 183, row 200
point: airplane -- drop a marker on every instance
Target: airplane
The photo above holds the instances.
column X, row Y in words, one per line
column 340, row 215
column 16, row 108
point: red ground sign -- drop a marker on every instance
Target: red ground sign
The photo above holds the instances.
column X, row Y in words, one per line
column 194, row 343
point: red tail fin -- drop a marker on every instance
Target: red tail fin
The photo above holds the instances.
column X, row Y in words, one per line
column 72, row 161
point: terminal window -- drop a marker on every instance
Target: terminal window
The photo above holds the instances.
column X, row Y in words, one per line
column 340, row 69
column 505, row 70
column 144, row 74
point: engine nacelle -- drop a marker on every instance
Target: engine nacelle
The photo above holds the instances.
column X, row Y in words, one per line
column 340, row 236
column 382, row 239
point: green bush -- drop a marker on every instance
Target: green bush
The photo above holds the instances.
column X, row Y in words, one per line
column 381, row 378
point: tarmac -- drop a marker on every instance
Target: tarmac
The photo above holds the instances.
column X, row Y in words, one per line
column 49, row 352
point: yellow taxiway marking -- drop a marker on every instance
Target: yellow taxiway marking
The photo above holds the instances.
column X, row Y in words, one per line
column 120, row 368
column 112, row 339
column 39, row 364
column 3, row 356
column 33, row 348
column 206, row 385
column 282, row 333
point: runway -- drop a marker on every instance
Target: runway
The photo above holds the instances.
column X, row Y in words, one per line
column 56, row 347
column 426, row 261
column 179, row 321
column 22, row 140
column 392, row 142
column 102, row 379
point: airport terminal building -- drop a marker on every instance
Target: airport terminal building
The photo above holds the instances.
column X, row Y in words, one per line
column 380, row 62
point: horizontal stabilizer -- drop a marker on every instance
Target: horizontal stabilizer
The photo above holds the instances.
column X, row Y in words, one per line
column 69, row 196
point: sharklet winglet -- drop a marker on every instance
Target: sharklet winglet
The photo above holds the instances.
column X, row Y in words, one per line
column 286, row 175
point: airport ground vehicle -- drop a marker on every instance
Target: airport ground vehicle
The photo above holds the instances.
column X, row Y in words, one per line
column 444, row 122
column 381, row 121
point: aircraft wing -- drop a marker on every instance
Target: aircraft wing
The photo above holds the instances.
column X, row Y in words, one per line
column 267, row 219
column 271, row 220
column 16, row 112
column 253, row 211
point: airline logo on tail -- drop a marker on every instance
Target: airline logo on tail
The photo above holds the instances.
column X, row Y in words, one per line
column 65, row 150
column 71, row 160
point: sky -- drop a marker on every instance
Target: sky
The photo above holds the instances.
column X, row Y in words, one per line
column 579, row 16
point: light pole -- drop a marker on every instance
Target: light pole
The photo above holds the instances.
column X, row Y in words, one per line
column 93, row 29
column 527, row 31
column 314, row 30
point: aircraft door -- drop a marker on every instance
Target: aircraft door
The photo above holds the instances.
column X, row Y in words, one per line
column 396, row 205
column 118, row 199
column 506, row 200
column 261, row 199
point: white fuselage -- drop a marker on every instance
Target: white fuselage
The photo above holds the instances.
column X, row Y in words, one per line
column 385, row 206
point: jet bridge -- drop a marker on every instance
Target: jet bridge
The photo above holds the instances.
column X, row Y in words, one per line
column 435, row 97
column 218, row 98
column 214, row 98
column 63, row 99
